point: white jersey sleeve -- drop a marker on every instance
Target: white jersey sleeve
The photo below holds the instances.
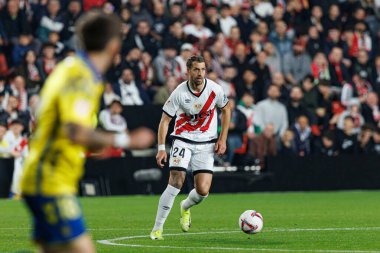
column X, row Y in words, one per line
column 172, row 104
column 221, row 98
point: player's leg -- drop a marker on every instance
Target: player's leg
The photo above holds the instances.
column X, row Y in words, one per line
column 59, row 225
column 82, row 244
column 180, row 155
column 202, row 163
column 166, row 201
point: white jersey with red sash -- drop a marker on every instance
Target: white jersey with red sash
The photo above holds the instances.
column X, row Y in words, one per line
column 196, row 113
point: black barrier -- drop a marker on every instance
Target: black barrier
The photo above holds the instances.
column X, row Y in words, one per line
column 283, row 173
column 118, row 176
column 6, row 173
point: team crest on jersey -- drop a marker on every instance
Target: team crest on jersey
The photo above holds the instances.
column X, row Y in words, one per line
column 197, row 106
column 176, row 161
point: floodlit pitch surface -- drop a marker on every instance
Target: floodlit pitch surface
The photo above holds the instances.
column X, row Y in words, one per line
column 293, row 222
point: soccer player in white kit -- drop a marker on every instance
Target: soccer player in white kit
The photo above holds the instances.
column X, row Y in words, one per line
column 195, row 140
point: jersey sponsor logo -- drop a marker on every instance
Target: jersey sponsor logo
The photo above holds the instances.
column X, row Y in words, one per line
column 197, row 106
column 82, row 107
column 187, row 100
column 187, row 123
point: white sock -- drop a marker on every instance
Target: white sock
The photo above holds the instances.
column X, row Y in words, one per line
column 164, row 206
column 193, row 199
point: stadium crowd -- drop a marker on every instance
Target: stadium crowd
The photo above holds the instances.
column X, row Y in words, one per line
column 303, row 76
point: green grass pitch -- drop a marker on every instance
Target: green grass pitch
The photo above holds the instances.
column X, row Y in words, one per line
column 293, row 222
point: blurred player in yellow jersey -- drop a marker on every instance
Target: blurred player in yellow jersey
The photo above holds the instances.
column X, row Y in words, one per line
column 66, row 121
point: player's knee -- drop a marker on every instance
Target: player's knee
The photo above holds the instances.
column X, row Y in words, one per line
column 176, row 183
column 203, row 191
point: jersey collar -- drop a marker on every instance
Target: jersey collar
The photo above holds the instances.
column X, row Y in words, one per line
column 84, row 57
column 200, row 93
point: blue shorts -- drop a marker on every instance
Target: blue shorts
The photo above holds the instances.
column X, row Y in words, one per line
column 56, row 220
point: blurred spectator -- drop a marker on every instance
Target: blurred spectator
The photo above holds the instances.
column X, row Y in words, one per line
column 54, row 38
column 212, row 17
column 255, row 42
column 333, row 18
column 18, row 89
column 281, row 40
column 361, row 66
column 70, row 16
column 327, row 145
column 146, row 70
column 234, row 38
column 196, row 30
column 297, row 63
column 109, row 95
column 278, row 80
column 261, row 70
column 14, row 135
column 111, row 119
column 212, row 64
column 114, row 72
column 34, row 102
column 315, row 42
column 374, row 143
column 143, row 39
column 302, row 136
column 346, row 139
column 129, row 91
column 226, row 20
column 375, row 78
column 5, row 149
column 273, row 59
column 165, row 64
column 353, row 110
column 51, row 21
column 316, row 18
column 334, row 39
column 271, row 111
column 240, row 59
column 365, row 138
column 237, row 128
column 227, row 83
column 244, row 21
column 246, row 106
column 338, row 72
column 263, row 145
column 370, row 109
column 160, row 21
column 250, row 85
column 320, row 67
column 32, row 72
column 48, row 61
column 287, row 145
column 25, row 43
column 164, row 92
column 360, row 40
column 295, row 107
column 176, row 35
column 185, row 53
column 324, row 109
column 14, row 21
column 310, row 93
column 139, row 12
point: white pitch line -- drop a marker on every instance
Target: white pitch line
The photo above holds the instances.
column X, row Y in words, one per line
column 112, row 243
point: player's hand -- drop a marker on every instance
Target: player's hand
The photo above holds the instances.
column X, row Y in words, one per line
column 220, row 147
column 161, row 158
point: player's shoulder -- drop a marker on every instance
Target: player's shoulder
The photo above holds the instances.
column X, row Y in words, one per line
column 181, row 88
column 210, row 84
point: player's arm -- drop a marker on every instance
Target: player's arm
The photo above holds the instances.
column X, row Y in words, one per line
column 162, row 132
column 96, row 139
column 220, row 145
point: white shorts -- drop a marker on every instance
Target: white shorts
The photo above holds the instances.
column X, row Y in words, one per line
column 198, row 158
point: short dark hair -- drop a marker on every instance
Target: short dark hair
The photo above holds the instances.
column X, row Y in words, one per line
column 95, row 29
column 192, row 59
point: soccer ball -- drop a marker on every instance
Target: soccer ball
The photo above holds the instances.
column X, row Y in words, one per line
column 251, row 222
